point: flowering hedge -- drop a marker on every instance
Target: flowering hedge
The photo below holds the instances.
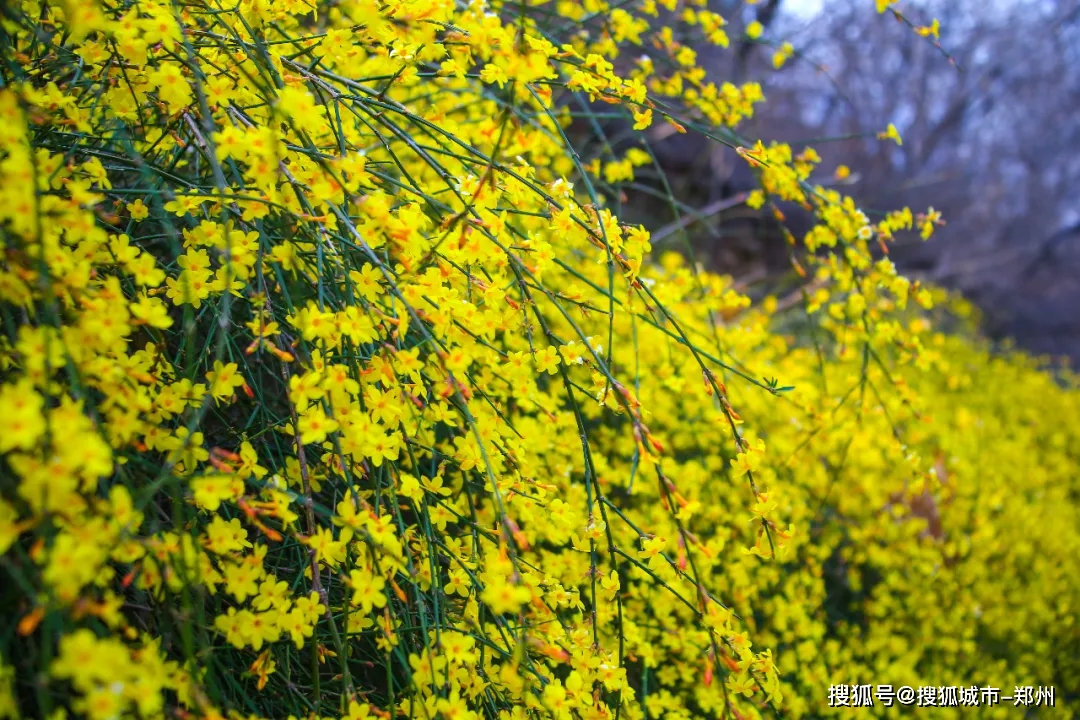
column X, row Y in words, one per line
column 332, row 386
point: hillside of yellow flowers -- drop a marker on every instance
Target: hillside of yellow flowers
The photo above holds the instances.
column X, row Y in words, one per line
column 331, row 385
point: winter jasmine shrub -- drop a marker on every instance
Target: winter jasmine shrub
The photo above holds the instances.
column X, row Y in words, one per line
column 332, row 385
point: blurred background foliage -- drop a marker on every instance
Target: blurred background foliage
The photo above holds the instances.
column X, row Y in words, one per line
column 991, row 139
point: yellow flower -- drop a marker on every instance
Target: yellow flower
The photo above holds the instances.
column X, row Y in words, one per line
column 24, row 422
column 891, row 133
column 315, row 425
column 458, row 648
column 152, row 312
column 223, row 536
column 933, row 30
column 643, row 119
column 138, row 210
column 211, row 490
column 765, row 504
column 503, row 596
column 750, row 459
column 494, row 74
column 327, row 550
column 299, row 106
column 781, row 56
column 547, row 360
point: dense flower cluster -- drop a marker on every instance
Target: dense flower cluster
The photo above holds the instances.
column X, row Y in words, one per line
column 333, row 386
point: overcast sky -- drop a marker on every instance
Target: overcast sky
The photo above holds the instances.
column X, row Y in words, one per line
column 803, row 7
